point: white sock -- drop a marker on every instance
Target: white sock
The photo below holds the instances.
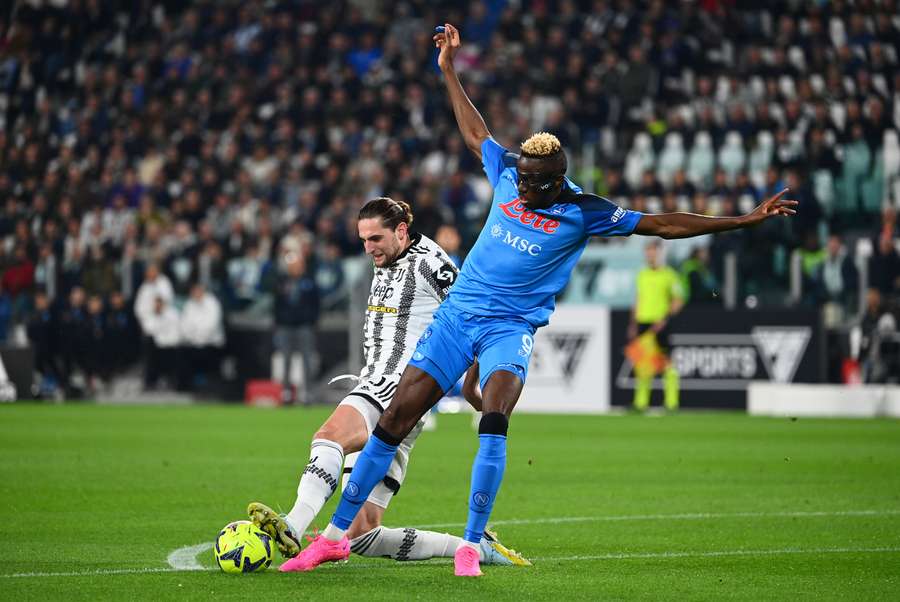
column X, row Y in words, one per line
column 333, row 533
column 465, row 542
column 317, row 483
column 406, row 544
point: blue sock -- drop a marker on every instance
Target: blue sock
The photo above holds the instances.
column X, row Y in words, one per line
column 487, row 473
column 371, row 466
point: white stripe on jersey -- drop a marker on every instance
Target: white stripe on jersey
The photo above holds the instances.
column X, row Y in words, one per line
column 402, row 302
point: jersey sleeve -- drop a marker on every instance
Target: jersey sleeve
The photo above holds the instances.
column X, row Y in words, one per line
column 603, row 218
column 494, row 159
column 438, row 273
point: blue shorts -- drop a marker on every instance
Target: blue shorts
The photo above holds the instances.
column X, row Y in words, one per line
column 449, row 346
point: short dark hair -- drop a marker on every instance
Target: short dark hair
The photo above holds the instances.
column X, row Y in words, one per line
column 391, row 213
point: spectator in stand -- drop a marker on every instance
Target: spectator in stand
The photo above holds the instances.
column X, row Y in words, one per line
column 5, row 314
column 296, row 316
column 202, row 336
column 122, row 334
column 99, row 274
column 458, row 196
column 73, row 336
column 155, row 286
column 95, row 351
column 18, row 281
column 874, row 341
column 448, row 238
column 884, row 266
column 42, row 330
column 330, row 276
column 246, row 276
column 836, row 282
column 699, row 282
column 162, row 330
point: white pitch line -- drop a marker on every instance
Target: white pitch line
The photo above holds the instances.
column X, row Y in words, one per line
column 185, row 559
column 99, row 572
column 719, row 553
column 611, row 556
column 687, row 516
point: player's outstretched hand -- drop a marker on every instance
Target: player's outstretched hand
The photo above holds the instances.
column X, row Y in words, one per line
column 448, row 41
column 772, row 207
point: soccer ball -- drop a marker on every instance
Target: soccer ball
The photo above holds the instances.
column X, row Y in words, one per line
column 241, row 547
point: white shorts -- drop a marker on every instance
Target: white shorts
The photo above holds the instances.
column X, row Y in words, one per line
column 370, row 399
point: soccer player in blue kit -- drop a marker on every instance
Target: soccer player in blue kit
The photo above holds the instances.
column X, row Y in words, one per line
column 536, row 230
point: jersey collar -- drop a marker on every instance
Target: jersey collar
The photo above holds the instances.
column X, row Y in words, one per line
column 415, row 237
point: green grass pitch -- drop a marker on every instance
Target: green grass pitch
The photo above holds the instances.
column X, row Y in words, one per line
column 688, row 507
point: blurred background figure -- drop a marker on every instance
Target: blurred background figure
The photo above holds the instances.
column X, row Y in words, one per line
column 202, row 337
column 296, row 315
column 96, row 364
column 659, row 297
column 162, row 329
column 73, row 336
column 122, row 335
column 875, row 341
column 42, row 334
column 699, row 283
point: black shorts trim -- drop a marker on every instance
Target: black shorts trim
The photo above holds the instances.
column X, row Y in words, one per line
column 370, row 399
column 392, row 484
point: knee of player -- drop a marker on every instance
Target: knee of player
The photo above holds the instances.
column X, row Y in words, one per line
column 324, row 432
column 329, row 433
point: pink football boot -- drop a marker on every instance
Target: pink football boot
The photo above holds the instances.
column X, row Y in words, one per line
column 319, row 551
column 465, row 562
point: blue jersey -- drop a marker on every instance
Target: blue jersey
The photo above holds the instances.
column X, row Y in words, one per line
column 523, row 259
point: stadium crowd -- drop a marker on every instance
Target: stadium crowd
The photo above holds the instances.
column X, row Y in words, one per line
column 204, row 143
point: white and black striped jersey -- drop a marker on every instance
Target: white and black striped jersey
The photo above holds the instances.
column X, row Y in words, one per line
column 402, row 302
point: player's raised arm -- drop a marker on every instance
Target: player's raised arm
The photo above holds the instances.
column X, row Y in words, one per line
column 471, row 124
column 685, row 225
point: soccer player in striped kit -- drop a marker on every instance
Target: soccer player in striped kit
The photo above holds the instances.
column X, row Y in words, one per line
column 412, row 275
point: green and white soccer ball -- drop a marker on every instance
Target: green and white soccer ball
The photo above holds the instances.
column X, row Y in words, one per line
column 241, row 547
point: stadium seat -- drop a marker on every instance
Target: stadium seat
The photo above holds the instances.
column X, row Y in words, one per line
column 823, row 190
column 873, row 186
column 701, row 161
column 857, row 158
column 671, row 159
column 732, row 156
column 761, row 158
column 640, row 158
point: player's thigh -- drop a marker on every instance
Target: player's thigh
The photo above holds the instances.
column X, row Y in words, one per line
column 417, row 392
column 504, row 352
column 346, row 426
column 444, row 351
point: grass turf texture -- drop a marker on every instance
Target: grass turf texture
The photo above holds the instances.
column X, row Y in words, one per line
column 90, row 490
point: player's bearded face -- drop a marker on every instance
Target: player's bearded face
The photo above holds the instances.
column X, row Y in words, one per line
column 540, row 182
column 383, row 244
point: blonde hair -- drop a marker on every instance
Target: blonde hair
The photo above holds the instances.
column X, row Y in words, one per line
column 541, row 144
